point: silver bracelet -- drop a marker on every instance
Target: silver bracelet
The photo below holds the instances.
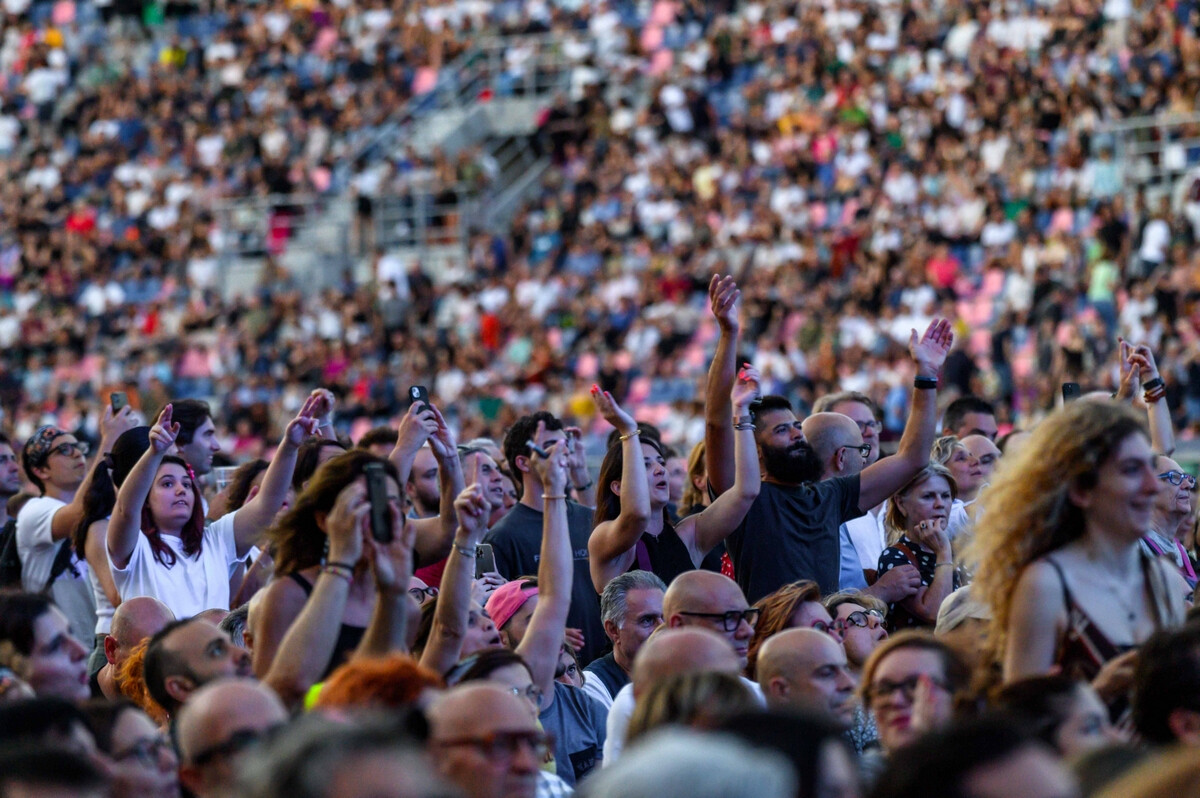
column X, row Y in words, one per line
column 464, row 551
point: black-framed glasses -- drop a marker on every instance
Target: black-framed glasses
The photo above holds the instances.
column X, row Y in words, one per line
column 502, row 746
column 863, row 426
column 863, row 449
column 146, row 751
column 832, row 628
column 69, row 449
column 906, row 687
column 730, row 620
column 861, row 618
column 235, row 744
column 1179, row 478
column 422, row 593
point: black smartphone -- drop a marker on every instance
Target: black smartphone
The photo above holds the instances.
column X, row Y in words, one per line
column 381, row 516
column 485, row 559
column 419, row 393
column 118, row 400
column 533, row 447
column 1070, row 391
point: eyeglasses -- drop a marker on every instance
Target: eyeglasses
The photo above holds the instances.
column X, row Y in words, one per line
column 732, row 619
column 69, row 449
column 503, row 746
column 834, row 628
column 532, row 692
column 422, row 593
column 237, row 742
column 146, row 751
column 907, row 688
column 863, row 426
column 862, row 618
column 1179, row 478
column 864, row 449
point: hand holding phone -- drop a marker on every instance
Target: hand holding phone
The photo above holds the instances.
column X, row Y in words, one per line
column 419, row 394
column 118, row 399
column 381, row 515
column 1070, row 391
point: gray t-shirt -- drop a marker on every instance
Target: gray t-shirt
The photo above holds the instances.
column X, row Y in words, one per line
column 577, row 722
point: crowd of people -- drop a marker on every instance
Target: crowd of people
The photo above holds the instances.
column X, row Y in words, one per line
column 736, row 466
column 785, row 611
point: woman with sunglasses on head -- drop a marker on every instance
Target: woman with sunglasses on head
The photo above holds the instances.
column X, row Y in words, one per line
column 632, row 527
column 918, row 517
column 157, row 540
column 1059, row 562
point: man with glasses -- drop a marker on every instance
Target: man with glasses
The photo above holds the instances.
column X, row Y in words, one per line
column 219, row 722
column 1171, row 511
column 714, row 601
column 484, row 740
column 842, row 450
column 55, row 462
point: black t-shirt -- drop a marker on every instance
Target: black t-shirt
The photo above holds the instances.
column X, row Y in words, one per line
column 791, row 533
column 517, row 543
column 609, row 673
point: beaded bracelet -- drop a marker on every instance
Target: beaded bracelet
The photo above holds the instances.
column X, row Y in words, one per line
column 327, row 569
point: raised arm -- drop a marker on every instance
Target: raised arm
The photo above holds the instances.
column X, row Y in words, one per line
column 67, row 518
column 256, row 515
column 304, row 652
column 887, row 476
column 579, row 478
column 449, row 629
column 547, row 627
column 323, row 403
column 1162, row 432
column 723, row 295
column 391, row 567
column 703, row 531
column 126, row 522
column 611, row 546
column 415, row 428
column 434, row 535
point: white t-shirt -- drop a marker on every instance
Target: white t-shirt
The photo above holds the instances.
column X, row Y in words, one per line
column 37, row 548
column 193, row 584
column 622, row 710
column 593, row 686
column 868, row 536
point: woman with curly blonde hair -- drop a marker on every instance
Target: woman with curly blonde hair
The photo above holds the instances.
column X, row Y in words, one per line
column 1056, row 549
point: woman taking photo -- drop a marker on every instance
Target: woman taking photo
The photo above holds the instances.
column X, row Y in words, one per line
column 917, row 519
column 631, row 525
column 158, row 543
column 1057, row 552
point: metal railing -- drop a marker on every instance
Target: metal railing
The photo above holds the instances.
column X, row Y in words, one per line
column 1153, row 152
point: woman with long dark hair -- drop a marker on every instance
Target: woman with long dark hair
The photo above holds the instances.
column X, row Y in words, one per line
column 158, row 543
column 632, row 528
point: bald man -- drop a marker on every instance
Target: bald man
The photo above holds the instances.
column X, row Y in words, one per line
column 669, row 652
column 838, row 443
column 807, row 668
column 486, row 741
column 713, row 601
column 986, row 452
column 215, row 725
column 133, row 621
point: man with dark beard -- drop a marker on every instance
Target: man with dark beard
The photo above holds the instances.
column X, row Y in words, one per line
column 791, row 531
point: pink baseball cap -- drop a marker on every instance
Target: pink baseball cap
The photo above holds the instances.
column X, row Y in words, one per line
column 504, row 602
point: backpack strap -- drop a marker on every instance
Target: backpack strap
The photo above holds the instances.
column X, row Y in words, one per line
column 62, row 561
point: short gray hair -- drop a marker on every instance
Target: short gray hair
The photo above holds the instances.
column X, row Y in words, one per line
column 301, row 762
column 826, row 403
column 234, row 625
column 613, row 604
column 676, row 761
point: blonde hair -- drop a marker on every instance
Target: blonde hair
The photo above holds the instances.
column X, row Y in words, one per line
column 1027, row 513
column 895, row 519
column 944, row 448
column 693, row 497
column 700, row 700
